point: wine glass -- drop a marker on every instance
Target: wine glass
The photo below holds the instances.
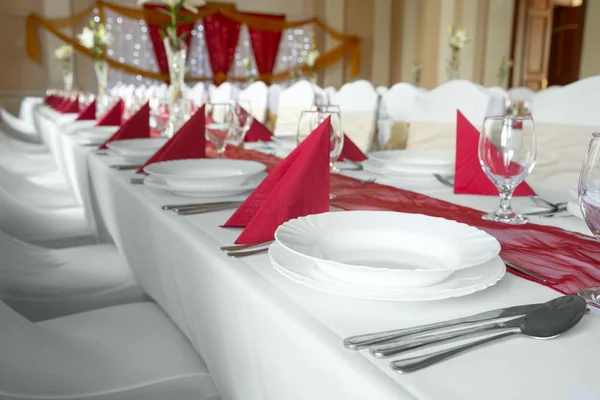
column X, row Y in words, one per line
column 243, row 115
column 507, row 153
column 589, row 186
column 219, row 123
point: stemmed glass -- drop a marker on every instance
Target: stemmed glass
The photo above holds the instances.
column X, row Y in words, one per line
column 219, row 118
column 507, row 153
column 242, row 121
column 310, row 120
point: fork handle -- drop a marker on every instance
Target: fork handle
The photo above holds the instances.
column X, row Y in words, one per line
column 240, row 254
column 416, row 363
column 236, row 247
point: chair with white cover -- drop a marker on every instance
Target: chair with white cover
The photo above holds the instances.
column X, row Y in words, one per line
column 292, row 101
column 518, row 94
column 273, row 97
column 41, row 283
column 433, row 121
column 26, row 108
column 500, row 100
column 257, row 95
column 198, row 94
column 381, row 90
column 17, row 128
column 358, row 107
column 212, row 88
column 126, row 352
column 399, row 104
column 565, row 118
column 24, row 158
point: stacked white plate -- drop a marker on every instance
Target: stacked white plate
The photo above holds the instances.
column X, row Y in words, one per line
column 573, row 204
column 96, row 134
column 205, row 177
column 416, row 164
column 136, row 151
column 387, row 256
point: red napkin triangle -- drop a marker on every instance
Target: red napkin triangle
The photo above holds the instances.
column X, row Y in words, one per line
column 188, row 142
column 257, row 132
column 351, row 152
column 114, row 116
column 88, row 113
column 59, row 103
column 71, row 106
column 136, row 127
column 296, row 187
column 469, row 178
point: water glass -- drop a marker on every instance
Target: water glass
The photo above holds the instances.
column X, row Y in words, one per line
column 311, row 119
column 589, row 186
column 243, row 117
column 507, row 154
column 219, row 118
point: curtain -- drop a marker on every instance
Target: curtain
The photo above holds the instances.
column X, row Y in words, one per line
column 154, row 31
column 221, row 35
column 265, row 45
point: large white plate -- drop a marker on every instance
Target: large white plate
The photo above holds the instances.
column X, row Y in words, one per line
column 152, row 182
column 97, row 132
column 413, row 162
column 136, row 150
column 205, row 173
column 385, row 248
column 464, row 282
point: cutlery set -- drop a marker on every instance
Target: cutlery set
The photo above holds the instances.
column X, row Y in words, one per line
column 246, row 250
column 538, row 321
column 201, row 208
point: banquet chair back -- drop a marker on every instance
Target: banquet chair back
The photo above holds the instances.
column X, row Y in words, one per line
column 225, row 93
column 293, row 100
column 99, row 354
column 198, row 94
column 257, row 95
column 518, row 94
column 26, row 109
column 212, row 88
column 330, row 91
column 565, row 117
column 358, row 106
column 396, row 109
column 17, row 128
column 499, row 102
column 433, row 122
column 321, row 96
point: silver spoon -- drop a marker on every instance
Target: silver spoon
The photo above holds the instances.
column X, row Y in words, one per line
column 548, row 321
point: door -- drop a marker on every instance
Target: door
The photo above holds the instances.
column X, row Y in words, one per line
column 565, row 50
column 537, row 35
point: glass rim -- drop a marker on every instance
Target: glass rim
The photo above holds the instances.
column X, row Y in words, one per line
column 508, row 116
column 596, row 134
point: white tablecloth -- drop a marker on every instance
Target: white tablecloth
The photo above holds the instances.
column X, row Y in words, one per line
column 264, row 337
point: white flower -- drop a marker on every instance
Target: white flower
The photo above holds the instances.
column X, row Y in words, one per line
column 86, row 38
column 104, row 36
column 246, row 62
column 190, row 5
column 458, row 37
column 311, row 57
column 64, row 52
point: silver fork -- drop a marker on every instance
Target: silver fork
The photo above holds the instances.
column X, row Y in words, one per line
column 237, row 247
column 241, row 254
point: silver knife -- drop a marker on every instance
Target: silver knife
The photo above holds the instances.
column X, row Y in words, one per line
column 359, row 342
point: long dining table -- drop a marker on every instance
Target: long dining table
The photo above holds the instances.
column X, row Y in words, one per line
column 265, row 337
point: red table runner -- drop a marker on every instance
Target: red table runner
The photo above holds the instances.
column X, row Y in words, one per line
column 568, row 260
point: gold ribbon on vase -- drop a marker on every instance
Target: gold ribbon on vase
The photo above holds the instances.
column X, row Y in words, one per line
column 349, row 46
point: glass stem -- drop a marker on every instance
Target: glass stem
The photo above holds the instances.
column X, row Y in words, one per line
column 505, row 197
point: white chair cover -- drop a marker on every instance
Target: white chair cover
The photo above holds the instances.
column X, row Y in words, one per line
column 26, row 109
column 131, row 352
column 275, row 91
column 18, row 128
column 257, row 94
column 358, row 106
column 42, row 283
column 399, row 106
column 293, row 100
column 41, row 196
column 198, row 94
column 518, row 94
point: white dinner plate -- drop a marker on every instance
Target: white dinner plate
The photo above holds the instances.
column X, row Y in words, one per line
column 386, row 248
column 97, row 133
column 413, row 162
column 464, row 282
column 152, row 182
column 203, row 173
column 136, row 150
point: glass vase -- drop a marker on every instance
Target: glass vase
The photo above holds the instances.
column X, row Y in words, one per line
column 101, row 69
column 66, row 68
column 452, row 70
column 179, row 108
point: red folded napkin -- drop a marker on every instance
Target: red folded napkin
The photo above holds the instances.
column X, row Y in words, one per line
column 469, row 178
column 59, row 102
column 188, row 142
column 351, row 152
column 88, row 113
column 71, row 106
column 114, row 116
column 296, row 187
column 136, row 127
column 257, row 132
